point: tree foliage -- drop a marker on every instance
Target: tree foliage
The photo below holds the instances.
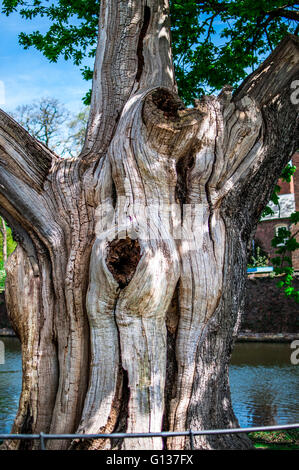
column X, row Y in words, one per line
column 214, row 42
column 286, row 175
column 10, row 246
column 257, row 257
column 285, row 243
column 217, row 42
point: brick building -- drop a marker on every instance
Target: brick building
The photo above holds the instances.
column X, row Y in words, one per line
column 288, row 203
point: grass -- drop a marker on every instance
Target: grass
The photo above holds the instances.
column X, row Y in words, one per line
column 276, row 440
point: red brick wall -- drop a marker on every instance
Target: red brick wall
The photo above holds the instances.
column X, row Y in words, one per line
column 295, row 161
column 266, row 231
column 295, row 254
column 286, row 188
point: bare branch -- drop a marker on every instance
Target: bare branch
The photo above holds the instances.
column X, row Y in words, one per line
column 25, row 164
column 268, row 38
column 270, row 86
column 22, row 155
column 290, row 14
column 274, row 74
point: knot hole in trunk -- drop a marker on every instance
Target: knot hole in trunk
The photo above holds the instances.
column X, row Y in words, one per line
column 167, row 103
column 122, row 259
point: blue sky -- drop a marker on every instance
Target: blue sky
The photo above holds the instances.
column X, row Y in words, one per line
column 27, row 75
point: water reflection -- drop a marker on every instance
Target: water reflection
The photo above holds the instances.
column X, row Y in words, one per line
column 264, row 384
column 10, row 383
column 262, row 407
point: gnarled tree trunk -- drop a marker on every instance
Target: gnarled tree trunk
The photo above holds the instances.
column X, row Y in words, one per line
column 127, row 285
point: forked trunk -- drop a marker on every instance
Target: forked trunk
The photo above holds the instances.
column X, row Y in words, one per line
column 127, row 286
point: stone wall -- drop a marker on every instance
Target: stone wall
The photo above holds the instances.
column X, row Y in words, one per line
column 4, row 322
column 267, row 309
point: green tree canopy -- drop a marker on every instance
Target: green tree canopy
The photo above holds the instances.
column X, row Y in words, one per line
column 10, row 246
column 214, row 42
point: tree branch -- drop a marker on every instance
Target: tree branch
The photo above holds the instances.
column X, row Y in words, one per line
column 290, row 14
column 133, row 54
column 25, row 164
column 271, row 78
column 271, row 88
column 22, row 155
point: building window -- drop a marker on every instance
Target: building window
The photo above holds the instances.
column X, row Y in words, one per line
column 278, row 233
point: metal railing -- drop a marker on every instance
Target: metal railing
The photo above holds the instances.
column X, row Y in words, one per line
column 42, row 437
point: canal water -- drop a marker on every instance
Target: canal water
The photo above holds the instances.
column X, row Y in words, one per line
column 10, row 382
column 264, row 384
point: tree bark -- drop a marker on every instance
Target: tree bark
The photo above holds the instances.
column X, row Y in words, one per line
column 4, row 240
column 127, row 286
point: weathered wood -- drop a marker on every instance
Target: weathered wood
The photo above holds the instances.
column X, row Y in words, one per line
column 130, row 271
column 3, row 231
column 31, row 315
